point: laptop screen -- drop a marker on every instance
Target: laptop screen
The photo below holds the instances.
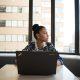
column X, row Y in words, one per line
column 36, row 63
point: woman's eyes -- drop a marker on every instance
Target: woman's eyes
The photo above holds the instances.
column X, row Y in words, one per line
column 44, row 33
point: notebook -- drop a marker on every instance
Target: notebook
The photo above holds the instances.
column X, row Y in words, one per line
column 36, row 63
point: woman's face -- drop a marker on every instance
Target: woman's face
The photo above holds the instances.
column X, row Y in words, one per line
column 43, row 35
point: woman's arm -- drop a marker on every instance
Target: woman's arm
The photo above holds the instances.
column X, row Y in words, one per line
column 52, row 48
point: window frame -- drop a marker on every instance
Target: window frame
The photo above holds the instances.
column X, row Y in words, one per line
column 76, row 27
column 53, row 26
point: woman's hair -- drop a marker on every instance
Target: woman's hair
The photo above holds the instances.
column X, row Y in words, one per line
column 36, row 28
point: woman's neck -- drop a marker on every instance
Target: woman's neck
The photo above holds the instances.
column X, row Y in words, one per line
column 40, row 44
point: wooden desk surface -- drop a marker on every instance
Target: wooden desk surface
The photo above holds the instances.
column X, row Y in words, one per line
column 9, row 72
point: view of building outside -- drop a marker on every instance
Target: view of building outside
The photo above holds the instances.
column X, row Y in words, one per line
column 13, row 24
column 42, row 14
column 65, row 26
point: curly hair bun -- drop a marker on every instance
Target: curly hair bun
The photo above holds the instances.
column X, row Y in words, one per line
column 35, row 27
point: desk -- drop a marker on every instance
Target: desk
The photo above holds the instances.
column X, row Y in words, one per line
column 9, row 72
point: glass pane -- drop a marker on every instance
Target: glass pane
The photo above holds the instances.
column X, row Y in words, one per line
column 14, row 36
column 42, row 14
column 2, row 23
column 8, row 23
column 8, row 9
column 2, row 37
column 2, row 9
column 14, row 23
column 25, row 38
column 20, row 37
column 25, row 23
column 20, row 23
column 19, row 9
column 65, row 26
column 8, row 37
column 25, row 9
column 14, row 9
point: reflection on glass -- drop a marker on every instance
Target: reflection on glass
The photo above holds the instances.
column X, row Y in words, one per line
column 65, row 26
column 25, row 10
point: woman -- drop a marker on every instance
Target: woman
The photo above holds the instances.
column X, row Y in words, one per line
column 42, row 44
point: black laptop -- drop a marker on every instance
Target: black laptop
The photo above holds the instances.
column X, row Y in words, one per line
column 36, row 63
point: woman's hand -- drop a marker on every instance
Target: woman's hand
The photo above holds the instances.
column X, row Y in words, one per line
column 58, row 63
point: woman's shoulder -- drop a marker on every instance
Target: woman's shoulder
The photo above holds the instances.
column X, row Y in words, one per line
column 29, row 46
column 32, row 43
column 49, row 44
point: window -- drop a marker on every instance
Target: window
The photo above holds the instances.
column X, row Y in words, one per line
column 8, row 9
column 25, row 38
column 65, row 26
column 20, row 23
column 14, row 9
column 8, row 37
column 59, row 1
column 2, row 37
column 20, row 37
column 14, row 37
column 19, row 9
column 42, row 14
column 25, row 10
column 25, row 23
column 14, row 23
column 2, row 9
column 2, row 23
column 59, row 10
column 8, row 23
